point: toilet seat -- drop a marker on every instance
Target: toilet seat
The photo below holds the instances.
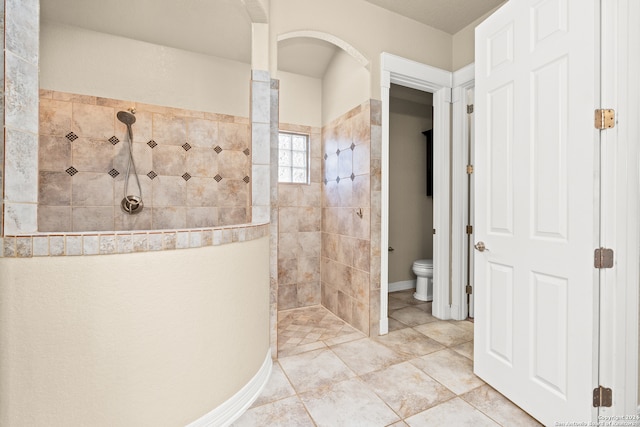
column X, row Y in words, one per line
column 423, row 263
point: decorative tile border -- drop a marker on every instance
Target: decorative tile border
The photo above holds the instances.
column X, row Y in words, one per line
column 93, row 243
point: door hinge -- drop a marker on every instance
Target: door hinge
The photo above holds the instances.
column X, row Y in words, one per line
column 605, row 119
column 469, row 229
column 469, row 169
column 603, row 258
column 469, row 289
column 470, row 109
column 602, row 396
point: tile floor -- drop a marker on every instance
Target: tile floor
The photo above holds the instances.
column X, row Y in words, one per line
column 420, row 374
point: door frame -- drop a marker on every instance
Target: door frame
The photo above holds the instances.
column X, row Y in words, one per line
column 620, row 207
column 405, row 72
column 463, row 79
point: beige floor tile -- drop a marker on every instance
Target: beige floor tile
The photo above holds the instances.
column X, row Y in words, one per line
column 406, row 296
column 445, row 333
column 278, row 387
column 450, row 369
column 455, row 412
column 409, row 342
column 498, row 407
column 366, row 355
column 399, row 424
column 464, row 324
column 407, row 389
column 345, row 338
column 348, row 403
column 312, row 369
column 412, row 316
column 395, row 303
column 394, row 325
column 285, row 413
column 293, row 349
column 465, row 349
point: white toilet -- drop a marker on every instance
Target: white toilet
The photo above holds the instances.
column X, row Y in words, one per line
column 423, row 268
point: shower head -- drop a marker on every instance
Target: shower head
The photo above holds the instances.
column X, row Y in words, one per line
column 126, row 117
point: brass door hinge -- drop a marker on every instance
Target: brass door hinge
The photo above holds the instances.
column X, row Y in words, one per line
column 469, row 289
column 602, row 397
column 469, row 169
column 605, row 119
column 469, row 229
column 603, row 258
column 470, row 109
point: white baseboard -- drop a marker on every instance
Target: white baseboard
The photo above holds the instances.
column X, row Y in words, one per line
column 402, row 286
column 236, row 405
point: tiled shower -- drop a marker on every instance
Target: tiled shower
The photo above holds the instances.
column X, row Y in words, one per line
column 342, row 245
column 194, row 167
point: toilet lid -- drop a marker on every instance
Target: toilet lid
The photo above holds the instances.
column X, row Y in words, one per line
column 424, row 263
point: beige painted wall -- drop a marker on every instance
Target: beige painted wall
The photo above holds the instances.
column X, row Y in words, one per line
column 155, row 338
column 345, row 83
column 410, row 210
column 87, row 62
column 369, row 28
column 300, row 99
column 464, row 44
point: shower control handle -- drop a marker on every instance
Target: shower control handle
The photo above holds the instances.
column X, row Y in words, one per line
column 480, row 247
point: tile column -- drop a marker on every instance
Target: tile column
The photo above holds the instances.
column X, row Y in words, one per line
column 19, row 115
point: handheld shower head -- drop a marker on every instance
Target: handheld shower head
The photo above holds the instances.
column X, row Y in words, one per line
column 126, row 117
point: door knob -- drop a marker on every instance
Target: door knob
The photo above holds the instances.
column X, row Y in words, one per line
column 480, row 247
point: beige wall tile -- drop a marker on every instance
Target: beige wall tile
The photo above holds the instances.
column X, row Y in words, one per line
column 308, row 294
column 169, row 160
column 54, row 218
column 230, row 216
column 140, row 221
column 308, row 270
column 233, row 164
column 202, row 217
column 93, row 155
column 93, row 121
column 169, row 217
column 54, row 153
column 287, row 297
column 92, row 189
column 233, row 193
column 55, row 117
column 202, row 133
column 233, row 136
column 169, row 130
column 202, row 162
column 309, row 219
column 54, row 188
column 169, row 191
column 93, row 218
column 287, row 271
column 202, row 192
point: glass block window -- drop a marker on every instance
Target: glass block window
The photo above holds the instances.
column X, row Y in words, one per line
column 293, row 158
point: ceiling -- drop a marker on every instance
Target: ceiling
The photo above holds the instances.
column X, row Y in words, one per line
column 223, row 28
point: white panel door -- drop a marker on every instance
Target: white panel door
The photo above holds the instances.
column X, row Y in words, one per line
column 536, row 207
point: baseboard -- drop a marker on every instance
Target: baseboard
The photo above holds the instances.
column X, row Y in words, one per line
column 638, row 410
column 402, row 286
column 236, row 405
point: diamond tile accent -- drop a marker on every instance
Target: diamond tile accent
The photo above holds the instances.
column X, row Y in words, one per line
column 218, row 178
column 186, row 146
column 338, row 180
column 325, row 181
column 246, row 179
column 71, row 136
column 352, row 146
column 152, row 174
column 114, row 140
column 217, row 149
column 114, row 173
column 246, row 151
column 152, row 143
column 326, row 156
column 352, row 177
column 71, row 171
column 186, row 176
column 338, row 151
